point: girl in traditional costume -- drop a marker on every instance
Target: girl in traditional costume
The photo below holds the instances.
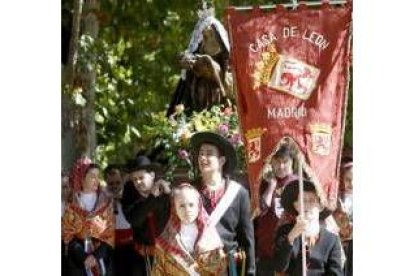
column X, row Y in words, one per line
column 88, row 223
column 188, row 246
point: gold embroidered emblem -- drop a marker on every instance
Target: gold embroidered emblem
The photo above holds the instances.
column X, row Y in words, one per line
column 254, row 144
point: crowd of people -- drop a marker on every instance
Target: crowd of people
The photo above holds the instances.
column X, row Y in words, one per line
column 136, row 223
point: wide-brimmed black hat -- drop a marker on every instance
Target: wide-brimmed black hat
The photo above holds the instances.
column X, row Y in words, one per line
column 225, row 147
column 291, row 193
column 142, row 162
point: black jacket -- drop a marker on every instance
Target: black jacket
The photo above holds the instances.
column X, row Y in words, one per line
column 138, row 211
column 324, row 257
column 236, row 228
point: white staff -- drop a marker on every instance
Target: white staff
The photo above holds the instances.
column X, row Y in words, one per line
column 302, row 212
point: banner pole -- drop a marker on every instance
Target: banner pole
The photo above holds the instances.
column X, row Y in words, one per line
column 293, row 5
column 302, row 212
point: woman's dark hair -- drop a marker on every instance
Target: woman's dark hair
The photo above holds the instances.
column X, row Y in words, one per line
column 284, row 151
column 111, row 169
column 90, row 167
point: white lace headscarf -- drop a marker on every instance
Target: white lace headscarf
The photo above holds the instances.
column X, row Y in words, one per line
column 206, row 18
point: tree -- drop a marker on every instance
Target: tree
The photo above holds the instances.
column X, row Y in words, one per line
column 134, row 58
column 69, row 144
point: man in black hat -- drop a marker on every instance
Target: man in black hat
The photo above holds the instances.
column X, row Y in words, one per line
column 323, row 250
column 145, row 203
column 226, row 201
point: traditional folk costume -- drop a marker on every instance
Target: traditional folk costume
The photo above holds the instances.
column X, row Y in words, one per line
column 209, row 82
column 189, row 249
column 230, row 207
column 124, row 254
column 147, row 217
column 323, row 257
column 265, row 225
column 88, row 226
column 235, row 226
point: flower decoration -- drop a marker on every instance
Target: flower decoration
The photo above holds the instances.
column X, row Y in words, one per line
column 173, row 135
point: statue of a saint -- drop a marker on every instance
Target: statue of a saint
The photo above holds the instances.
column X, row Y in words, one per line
column 206, row 79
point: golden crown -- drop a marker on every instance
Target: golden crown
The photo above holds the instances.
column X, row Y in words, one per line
column 324, row 128
column 254, row 132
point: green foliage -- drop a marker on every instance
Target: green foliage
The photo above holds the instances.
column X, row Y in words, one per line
column 173, row 134
column 115, row 100
column 135, row 61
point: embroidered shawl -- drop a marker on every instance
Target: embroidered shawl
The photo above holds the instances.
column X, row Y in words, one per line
column 98, row 224
column 79, row 223
column 171, row 258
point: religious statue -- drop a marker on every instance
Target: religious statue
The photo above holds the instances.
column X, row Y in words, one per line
column 206, row 79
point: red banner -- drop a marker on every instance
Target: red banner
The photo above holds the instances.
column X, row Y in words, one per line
column 292, row 72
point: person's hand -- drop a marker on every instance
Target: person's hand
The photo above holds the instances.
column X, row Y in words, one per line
column 164, row 186
column 298, row 229
column 272, row 184
column 155, row 191
column 100, row 223
column 186, row 61
column 206, row 67
column 206, row 61
column 161, row 186
column 90, row 261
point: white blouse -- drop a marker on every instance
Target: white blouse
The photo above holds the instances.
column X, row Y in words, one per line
column 188, row 236
column 121, row 222
column 87, row 200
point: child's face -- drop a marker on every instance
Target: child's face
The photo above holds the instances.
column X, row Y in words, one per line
column 186, row 205
column 143, row 180
column 282, row 166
